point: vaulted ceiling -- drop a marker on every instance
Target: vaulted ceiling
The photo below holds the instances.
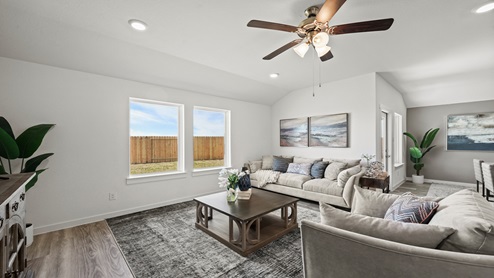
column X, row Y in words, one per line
column 436, row 52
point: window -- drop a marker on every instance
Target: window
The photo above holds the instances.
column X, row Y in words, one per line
column 211, row 138
column 156, row 137
column 398, row 142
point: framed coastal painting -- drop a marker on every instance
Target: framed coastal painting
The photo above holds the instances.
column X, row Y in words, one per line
column 470, row 132
column 293, row 132
column 329, row 131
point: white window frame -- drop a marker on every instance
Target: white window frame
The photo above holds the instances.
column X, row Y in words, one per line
column 180, row 172
column 398, row 142
column 226, row 141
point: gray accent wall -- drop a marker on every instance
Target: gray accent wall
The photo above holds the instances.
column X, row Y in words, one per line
column 441, row 164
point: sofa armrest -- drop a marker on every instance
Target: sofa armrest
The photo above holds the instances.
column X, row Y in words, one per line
column 333, row 252
column 348, row 189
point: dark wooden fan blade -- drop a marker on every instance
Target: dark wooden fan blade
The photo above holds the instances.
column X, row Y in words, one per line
column 271, row 25
column 282, row 49
column 328, row 9
column 359, row 27
column 326, row 56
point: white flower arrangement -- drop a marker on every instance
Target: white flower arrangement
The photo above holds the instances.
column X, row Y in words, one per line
column 229, row 178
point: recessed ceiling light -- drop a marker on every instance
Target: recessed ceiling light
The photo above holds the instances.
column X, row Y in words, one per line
column 138, row 25
column 274, row 75
column 485, row 8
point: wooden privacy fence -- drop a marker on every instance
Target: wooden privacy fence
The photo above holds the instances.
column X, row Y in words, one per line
column 152, row 149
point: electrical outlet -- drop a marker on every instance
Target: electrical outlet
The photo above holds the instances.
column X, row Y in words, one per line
column 112, row 196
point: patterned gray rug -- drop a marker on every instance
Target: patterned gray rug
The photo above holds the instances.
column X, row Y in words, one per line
column 443, row 190
column 164, row 242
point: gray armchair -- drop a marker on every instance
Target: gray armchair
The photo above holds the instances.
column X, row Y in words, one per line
column 488, row 175
column 477, row 168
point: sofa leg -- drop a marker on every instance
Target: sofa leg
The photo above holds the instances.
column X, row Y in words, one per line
column 483, row 189
column 477, row 186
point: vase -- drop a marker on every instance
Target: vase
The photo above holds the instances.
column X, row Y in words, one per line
column 231, row 195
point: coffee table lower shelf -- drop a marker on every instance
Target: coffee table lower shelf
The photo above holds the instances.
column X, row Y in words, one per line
column 245, row 237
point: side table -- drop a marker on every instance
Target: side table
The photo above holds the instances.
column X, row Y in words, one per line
column 376, row 183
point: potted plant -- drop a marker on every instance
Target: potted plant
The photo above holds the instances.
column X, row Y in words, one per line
column 417, row 152
column 23, row 147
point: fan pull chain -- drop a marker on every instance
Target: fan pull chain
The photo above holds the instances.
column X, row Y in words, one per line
column 313, row 74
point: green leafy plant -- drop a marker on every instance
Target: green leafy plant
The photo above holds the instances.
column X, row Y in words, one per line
column 417, row 152
column 22, row 147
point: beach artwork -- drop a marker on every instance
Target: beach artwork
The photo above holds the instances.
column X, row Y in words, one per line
column 329, row 131
column 471, row 132
column 293, row 132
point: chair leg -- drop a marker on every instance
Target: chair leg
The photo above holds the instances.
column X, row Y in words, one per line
column 483, row 190
column 477, row 186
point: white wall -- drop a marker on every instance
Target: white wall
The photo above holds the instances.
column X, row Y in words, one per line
column 91, row 143
column 391, row 101
column 355, row 96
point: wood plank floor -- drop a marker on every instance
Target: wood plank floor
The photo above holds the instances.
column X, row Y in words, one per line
column 90, row 250
column 84, row 251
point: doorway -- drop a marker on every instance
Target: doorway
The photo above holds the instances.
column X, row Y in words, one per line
column 384, row 140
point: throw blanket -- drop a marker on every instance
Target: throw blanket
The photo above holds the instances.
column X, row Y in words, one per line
column 266, row 176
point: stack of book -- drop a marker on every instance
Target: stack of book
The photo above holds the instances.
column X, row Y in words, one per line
column 244, row 195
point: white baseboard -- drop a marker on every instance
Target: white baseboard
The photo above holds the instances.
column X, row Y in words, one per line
column 446, row 182
column 103, row 216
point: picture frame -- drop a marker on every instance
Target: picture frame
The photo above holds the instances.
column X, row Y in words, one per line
column 294, row 132
column 470, row 132
column 329, row 131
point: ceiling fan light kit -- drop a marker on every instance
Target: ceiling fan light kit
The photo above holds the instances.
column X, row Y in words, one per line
column 315, row 30
column 301, row 49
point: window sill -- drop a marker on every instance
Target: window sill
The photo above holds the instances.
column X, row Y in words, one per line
column 155, row 177
column 398, row 165
column 207, row 171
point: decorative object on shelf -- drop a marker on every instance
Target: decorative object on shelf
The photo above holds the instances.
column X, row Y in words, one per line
column 293, row 132
column 244, row 195
column 23, row 147
column 229, row 178
column 470, row 132
column 329, row 131
column 418, row 151
column 375, row 170
column 368, row 158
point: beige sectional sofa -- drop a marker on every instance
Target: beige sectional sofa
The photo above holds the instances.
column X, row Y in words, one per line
column 331, row 184
column 457, row 242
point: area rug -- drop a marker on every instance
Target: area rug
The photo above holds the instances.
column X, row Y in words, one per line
column 443, row 190
column 164, row 242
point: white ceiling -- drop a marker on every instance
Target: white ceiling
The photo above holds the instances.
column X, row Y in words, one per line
column 436, row 52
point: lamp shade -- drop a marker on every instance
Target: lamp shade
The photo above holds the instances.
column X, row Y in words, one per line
column 320, row 40
column 301, row 49
column 322, row 50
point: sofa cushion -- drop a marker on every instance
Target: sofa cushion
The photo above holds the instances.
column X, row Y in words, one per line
column 371, row 203
column 323, row 186
column 255, row 165
column 293, row 180
column 473, row 217
column 412, row 209
column 349, row 162
column 299, row 168
column 345, row 175
column 428, row 236
column 267, row 162
column 298, row 159
column 318, row 168
column 333, row 169
column 280, row 164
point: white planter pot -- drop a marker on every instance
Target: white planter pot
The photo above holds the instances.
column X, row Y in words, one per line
column 418, row 179
column 29, row 234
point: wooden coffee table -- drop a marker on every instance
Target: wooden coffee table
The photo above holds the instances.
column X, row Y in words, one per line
column 255, row 225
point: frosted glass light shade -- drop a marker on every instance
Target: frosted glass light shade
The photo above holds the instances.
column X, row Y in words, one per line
column 322, row 50
column 321, row 39
column 301, row 49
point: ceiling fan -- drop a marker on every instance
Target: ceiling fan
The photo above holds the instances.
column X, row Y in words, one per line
column 315, row 30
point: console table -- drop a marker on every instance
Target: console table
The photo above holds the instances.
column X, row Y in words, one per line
column 13, row 225
column 375, row 183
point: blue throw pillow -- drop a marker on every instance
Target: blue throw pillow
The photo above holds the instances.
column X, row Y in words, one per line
column 318, row 168
column 280, row 164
